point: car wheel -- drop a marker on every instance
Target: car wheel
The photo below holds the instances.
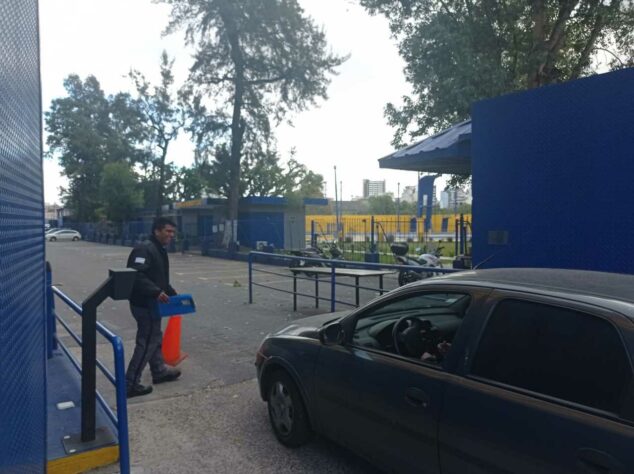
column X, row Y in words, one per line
column 75, row 239
column 286, row 411
column 52, row 239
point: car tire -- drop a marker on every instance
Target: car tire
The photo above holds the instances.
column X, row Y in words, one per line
column 52, row 239
column 75, row 239
column 287, row 412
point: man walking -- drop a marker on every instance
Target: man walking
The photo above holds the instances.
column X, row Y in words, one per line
column 151, row 285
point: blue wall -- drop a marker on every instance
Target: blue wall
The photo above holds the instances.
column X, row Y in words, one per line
column 22, row 320
column 553, row 175
column 263, row 226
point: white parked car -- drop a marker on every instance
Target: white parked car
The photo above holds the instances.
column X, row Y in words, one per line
column 63, row 234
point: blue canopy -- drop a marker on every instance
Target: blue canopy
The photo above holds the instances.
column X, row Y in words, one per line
column 447, row 152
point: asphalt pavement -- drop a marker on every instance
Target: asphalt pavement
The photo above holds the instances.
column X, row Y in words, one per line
column 212, row 419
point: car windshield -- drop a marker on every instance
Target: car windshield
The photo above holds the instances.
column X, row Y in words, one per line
column 430, row 301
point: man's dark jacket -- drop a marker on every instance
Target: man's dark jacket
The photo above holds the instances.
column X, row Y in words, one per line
column 151, row 262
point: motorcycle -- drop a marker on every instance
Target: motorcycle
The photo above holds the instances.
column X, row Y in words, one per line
column 325, row 251
column 426, row 260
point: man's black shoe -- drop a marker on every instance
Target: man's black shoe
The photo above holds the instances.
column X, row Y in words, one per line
column 167, row 375
column 138, row 390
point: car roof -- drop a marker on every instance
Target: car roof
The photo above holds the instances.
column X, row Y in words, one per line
column 581, row 283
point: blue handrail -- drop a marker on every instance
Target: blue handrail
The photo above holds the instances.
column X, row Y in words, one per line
column 118, row 380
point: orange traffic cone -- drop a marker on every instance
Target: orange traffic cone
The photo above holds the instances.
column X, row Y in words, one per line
column 172, row 342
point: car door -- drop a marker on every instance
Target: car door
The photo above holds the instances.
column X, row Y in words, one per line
column 548, row 389
column 381, row 404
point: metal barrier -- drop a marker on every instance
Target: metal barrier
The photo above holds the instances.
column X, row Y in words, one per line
column 120, row 420
column 325, row 267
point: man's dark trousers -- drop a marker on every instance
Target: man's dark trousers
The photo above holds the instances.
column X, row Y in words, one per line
column 148, row 345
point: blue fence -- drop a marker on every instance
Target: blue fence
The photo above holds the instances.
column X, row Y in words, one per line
column 120, row 419
column 333, row 270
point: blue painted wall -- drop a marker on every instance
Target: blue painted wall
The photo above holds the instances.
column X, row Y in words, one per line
column 553, row 176
column 22, row 319
column 261, row 226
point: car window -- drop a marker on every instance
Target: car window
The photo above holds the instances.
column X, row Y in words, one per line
column 426, row 324
column 555, row 351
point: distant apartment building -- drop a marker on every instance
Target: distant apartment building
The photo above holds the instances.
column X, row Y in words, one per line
column 373, row 188
column 451, row 198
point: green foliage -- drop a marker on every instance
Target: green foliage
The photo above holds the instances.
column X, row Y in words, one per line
column 191, row 183
column 265, row 59
column 461, row 51
column 407, row 208
column 86, row 131
column 263, row 175
column 118, row 191
column 381, row 205
column 162, row 118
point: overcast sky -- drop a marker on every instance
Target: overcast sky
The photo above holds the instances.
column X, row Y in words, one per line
column 107, row 38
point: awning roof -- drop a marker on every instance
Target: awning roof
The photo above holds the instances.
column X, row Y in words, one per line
column 447, row 152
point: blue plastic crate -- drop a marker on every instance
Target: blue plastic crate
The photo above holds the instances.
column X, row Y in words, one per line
column 179, row 304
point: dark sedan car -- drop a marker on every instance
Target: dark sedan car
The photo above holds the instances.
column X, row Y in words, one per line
column 514, row 370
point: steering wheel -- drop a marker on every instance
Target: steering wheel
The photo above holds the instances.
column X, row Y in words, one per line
column 406, row 334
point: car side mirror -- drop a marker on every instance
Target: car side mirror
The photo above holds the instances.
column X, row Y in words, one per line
column 332, row 335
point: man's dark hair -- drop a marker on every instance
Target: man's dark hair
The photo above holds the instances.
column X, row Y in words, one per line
column 161, row 222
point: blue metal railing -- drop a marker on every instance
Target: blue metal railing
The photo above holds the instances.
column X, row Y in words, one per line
column 120, row 420
column 277, row 259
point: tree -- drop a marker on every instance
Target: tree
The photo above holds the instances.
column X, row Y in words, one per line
column 461, row 51
column 119, row 191
column 264, row 175
column 265, row 57
column 382, row 205
column 164, row 119
column 87, row 130
column 191, row 183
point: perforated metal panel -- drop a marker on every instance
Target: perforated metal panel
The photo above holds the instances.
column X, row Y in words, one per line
column 22, row 320
column 552, row 176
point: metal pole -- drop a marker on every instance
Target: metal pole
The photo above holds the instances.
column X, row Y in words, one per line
column 122, row 407
column 336, row 206
column 340, row 231
column 456, row 238
column 333, row 284
column 313, row 237
column 89, row 359
column 372, row 246
column 462, row 243
column 88, row 372
column 50, row 312
column 398, row 209
column 365, row 235
column 250, row 278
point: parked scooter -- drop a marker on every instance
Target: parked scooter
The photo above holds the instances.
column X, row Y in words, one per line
column 426, row 260
column 326, row 251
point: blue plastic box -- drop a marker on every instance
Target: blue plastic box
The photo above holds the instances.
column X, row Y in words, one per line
column 179, row 304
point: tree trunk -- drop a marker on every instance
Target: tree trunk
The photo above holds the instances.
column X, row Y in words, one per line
column 237, row 126
column 539, row 20
column 545, row 51
column 159, row 192
column 237, row 131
